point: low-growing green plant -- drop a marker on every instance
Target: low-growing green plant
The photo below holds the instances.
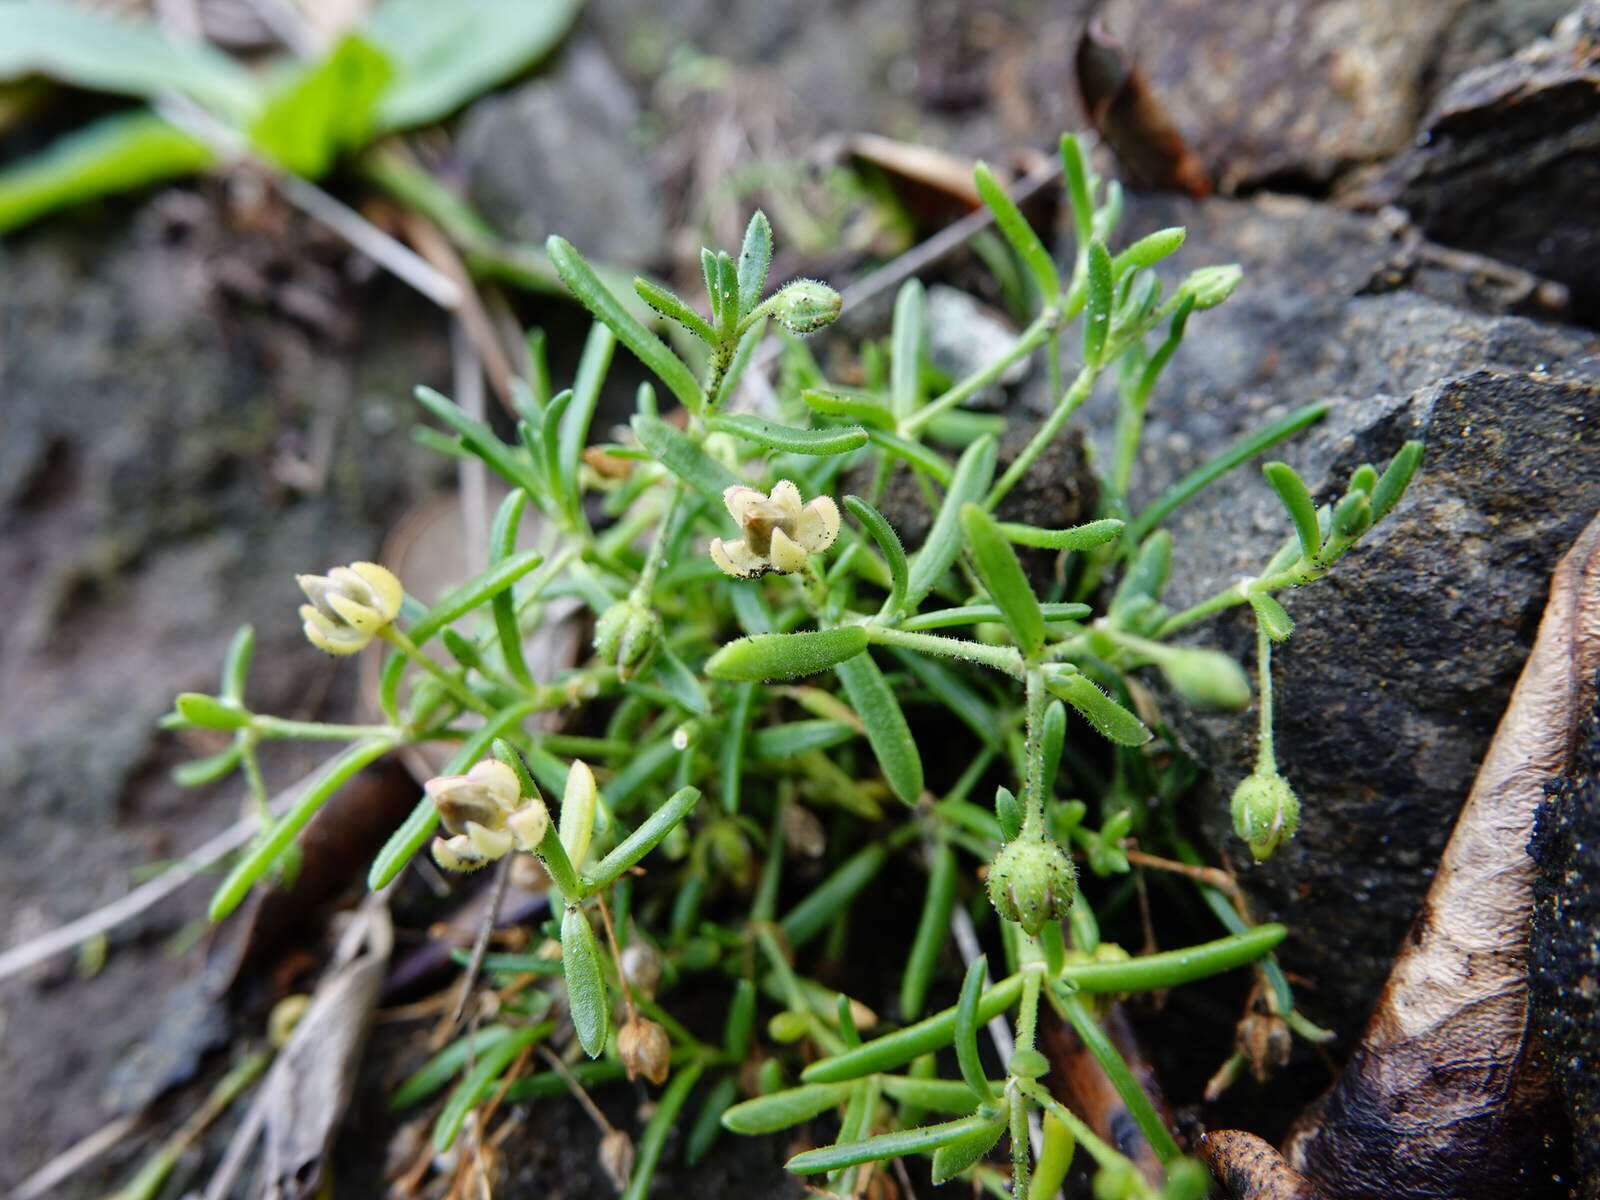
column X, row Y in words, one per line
column 756, row 654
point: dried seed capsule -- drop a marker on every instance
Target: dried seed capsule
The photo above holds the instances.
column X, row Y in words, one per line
column 645, row 1050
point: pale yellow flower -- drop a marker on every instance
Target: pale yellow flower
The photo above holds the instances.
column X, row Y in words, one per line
column 779, row 532
column 349, row 605
column 487, row 814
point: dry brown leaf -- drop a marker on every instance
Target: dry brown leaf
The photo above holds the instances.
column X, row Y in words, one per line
column 1443, row 1098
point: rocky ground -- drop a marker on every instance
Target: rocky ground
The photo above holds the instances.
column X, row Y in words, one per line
column 203, row 395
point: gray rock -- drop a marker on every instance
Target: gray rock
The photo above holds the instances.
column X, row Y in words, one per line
column 1299, row 92
column 1508, row 163
column 1405, row 655
column 159, row 488
column 963, row 336
column 532, row 158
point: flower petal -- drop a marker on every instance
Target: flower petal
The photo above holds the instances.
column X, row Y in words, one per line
column 491, row 843
column 738, row 498
column 499, row 781
column 787, row 497
column 457, row 854
column 787, row 554
column 330, row 634
column 385, row 585
column 817, row 525
column 737, row 559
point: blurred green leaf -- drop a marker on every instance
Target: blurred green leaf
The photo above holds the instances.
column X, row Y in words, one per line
column 112, row 155
column 323, row 109
column 446, row 53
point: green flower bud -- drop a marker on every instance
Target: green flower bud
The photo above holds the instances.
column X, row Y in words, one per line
column 1210, row 286
column 1028, row 1064
column 1032, row 881
column 625, row 635
column 1266, row 812
column 1206, row 678
column 806, row 305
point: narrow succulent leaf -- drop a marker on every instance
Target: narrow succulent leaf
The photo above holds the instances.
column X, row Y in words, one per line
column 495, row 1058
column 887, row 732
column 1078, row 537
column 1241, row 451
column 480, row 439
column 1004, row 579
column 762, row 432
column 1302, row 508
column 755, row 257
column 1075, row 171
column 889, row 545
column 671, row 306
column 967, row 1026
column 841, row 404
column 1395, row 479
column 933, row 930
column 586, row 988
column 971, row 480
column 952, row 1158
column 1099, row 290
column 443, row 1066
column 1108, row 717
column 974, row 614
column 1016, row 230
column 914, row 453
column 643, row 839
column 782, row 1110
column 885, row 1146
column 583, row 283
column 786, row 655
column 905, row 355
column 1274, row 618
column 1147, row 251
column 832, row 896
column 682, row 457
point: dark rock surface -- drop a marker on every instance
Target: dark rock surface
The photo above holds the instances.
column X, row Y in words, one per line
column 1295, row 93
column 172, row 455
column 1404, row 656
column 1564, row 944
column 532, row 156
column 1508, row 163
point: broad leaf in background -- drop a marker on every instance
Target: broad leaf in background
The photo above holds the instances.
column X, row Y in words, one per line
column 125, row 151
column 92, row 50
column 323, row 108
column 445, row 53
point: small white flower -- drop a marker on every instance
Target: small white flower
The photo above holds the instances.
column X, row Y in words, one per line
column 349, row 605
column 485, row 811
column 779, row 532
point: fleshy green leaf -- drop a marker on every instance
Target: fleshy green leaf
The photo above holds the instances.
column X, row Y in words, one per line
column 1302, row 508
column 682, row 457
column 1004, row 579
column 967, row 1026
column 755, row 257
column 967, row 486
column 1395, row 479
column 835, row 440
column 885, row 1145
column 786, row 655
column 1079, row 537
column 1097, row 311
column 781, row 1110
column 1274, row 618
column 643, row 839
column 1147, row 251
column 952, row 1158
column 840, row 404
column 874, row 701
column 583, row 283
column 1014, row 226
column 1108, row 717
column 586, row 988
column 889, row 545
column 669, row 305
column 905, row 361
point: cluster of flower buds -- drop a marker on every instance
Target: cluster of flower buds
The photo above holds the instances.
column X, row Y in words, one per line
column 779, row 532
column 486, row 814
column 625, row 635
column 1266, row 812
column 1032, row 881
column 349, row 605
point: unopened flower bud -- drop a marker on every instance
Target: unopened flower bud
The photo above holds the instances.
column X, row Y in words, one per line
column 1032, row 882
column 625, row 635
column 349, row 605
column 1206, row 678
column 1266, row 812
column 1210, row 286
column 806, row 305
column 616, row 1157
column 645, row 1050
